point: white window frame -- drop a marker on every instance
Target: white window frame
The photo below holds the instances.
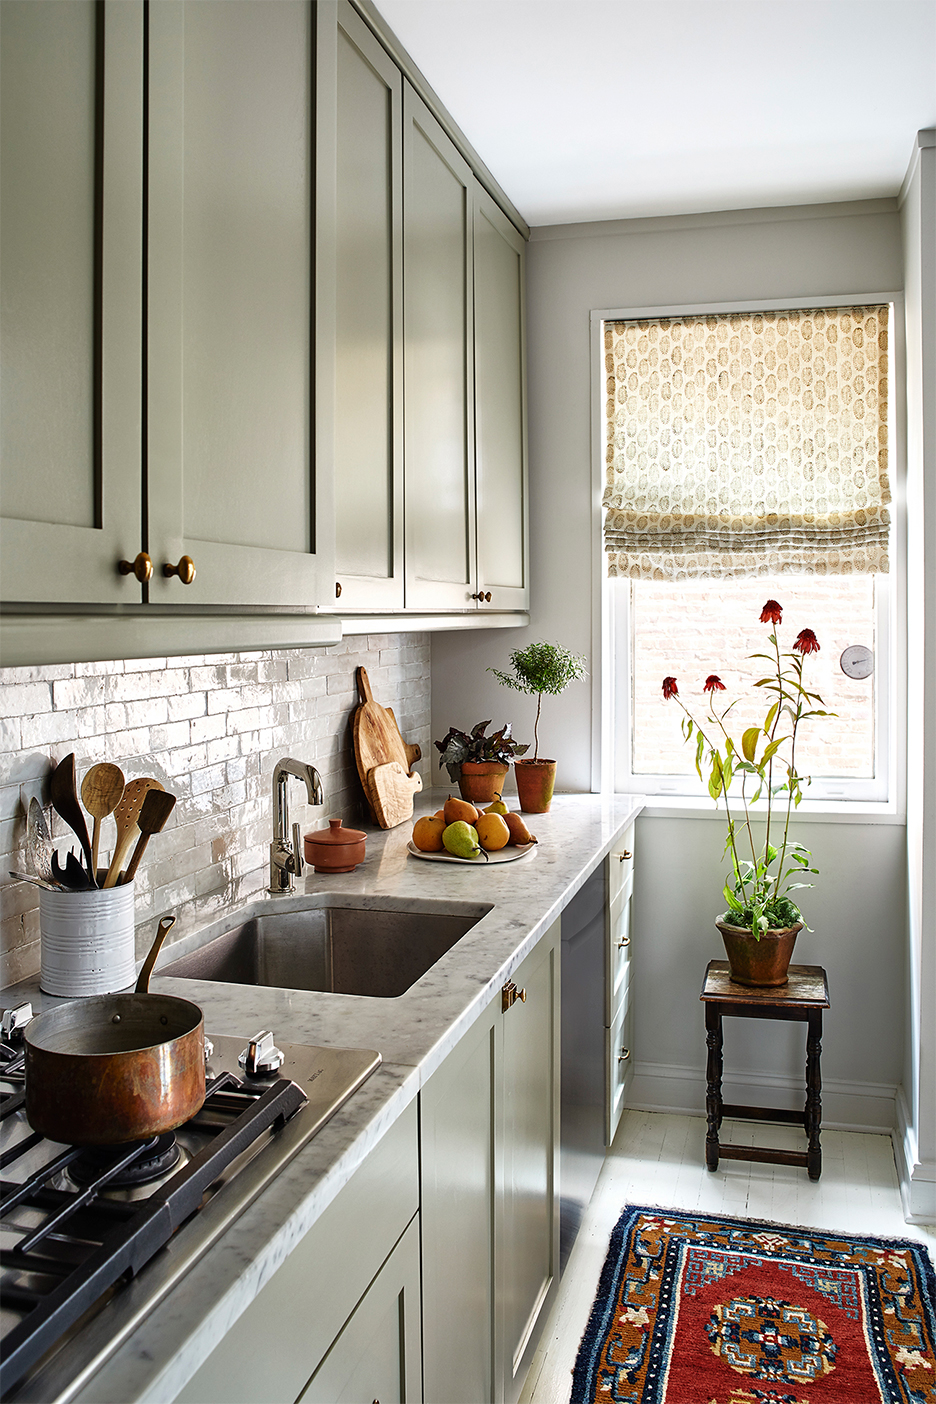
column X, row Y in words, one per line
column 883, row 795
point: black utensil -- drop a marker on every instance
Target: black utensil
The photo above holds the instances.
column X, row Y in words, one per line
column 64, row 795
column 73, row 875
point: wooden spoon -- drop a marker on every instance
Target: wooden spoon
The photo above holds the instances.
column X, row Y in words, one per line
column 64, row 797
column 101, row 791
column 156, row 808
column 125, row 817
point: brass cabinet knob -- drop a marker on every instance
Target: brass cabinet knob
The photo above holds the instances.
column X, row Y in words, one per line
column 337, row 589
column 623, row 1055
column 623, row 857
column 484, row 595
column 142, row 568
column 185, row 570
column 625, row 941
column 509, row 996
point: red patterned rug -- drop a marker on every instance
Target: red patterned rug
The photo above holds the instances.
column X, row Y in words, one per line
column 693, row 1309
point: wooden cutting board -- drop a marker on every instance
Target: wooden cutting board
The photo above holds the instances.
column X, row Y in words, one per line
column 377, row 742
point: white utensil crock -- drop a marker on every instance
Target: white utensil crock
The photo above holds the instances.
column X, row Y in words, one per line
column 87, row 941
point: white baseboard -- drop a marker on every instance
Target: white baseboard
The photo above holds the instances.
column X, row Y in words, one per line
column 917, row 1179
column 846, row 1106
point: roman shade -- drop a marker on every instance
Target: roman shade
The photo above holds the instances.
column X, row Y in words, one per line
column 744, row 444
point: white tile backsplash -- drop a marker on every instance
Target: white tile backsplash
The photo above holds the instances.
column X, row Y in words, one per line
column 210, row 729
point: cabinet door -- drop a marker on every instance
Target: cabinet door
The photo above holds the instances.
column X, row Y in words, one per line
column 438, row 430
column 359, row 229
column 377, row 1355
column 458, row 1213
column 500, row 409
column 230, row 426
column 71, row 237
column 527, row 1240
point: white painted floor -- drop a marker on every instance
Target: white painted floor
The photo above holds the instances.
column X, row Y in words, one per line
column 660, row 1160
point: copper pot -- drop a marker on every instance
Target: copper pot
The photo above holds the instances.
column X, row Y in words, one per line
column 116, row 1067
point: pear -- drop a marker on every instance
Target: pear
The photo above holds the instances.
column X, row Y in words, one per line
column 493, row 833
column 455, row 809
column 461, row 840
column 519, row 833
column 498, row 807
column 427, row 833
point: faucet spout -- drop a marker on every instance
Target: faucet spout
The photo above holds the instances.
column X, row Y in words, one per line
column 285, row 853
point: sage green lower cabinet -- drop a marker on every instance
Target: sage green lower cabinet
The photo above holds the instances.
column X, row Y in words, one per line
column 308, row 1327
column 489, row 1122
column 619, row 1067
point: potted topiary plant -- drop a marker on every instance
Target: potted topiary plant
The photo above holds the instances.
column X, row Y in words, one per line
column 540, row 668
column 479, row 763
column 762, row 920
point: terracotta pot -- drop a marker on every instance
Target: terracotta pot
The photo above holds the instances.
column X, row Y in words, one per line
column 335, row 849
column 764, row 962
column 536, row 780
column 480, row 782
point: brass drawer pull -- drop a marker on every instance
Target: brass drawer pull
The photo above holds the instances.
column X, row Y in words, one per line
column 623, row 1055
column 185, row 570
column 624, row 941
column 337, row 589
column 509, row 996
column 142, row 568
column 623, row 857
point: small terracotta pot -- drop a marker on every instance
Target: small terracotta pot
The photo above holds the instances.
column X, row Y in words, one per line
column 536, row 780
column 480, row 782
column 763, row 963
column 334, row 850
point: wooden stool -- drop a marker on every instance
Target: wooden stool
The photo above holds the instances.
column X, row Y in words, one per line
column 802, row 999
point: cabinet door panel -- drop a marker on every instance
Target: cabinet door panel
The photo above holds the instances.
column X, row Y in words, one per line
column 439, row 448
column 360, row 196
column 377, row 1355
column 457, row 1208
column 619, row 1066
column 71, row 240
column 230, row 285
column 528, row 1236
column 500, row 442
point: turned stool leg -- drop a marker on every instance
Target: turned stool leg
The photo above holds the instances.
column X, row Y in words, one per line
column 713, row 1074
column 813, row 1113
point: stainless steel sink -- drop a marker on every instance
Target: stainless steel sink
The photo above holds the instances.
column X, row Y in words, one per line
column 335, row 947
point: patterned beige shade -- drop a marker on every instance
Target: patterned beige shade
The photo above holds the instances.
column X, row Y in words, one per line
column 747, row 444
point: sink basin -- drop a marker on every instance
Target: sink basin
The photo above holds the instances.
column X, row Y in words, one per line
column 334, row 947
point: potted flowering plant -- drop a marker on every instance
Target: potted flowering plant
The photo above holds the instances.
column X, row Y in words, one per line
column 762, row 920
column 479, row 763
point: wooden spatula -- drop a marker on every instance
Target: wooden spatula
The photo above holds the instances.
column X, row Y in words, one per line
column 125, row 816
column 101, row 792
column 155, row 810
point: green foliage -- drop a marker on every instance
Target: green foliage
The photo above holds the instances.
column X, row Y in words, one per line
column 457, row 746
column 541, row 668
column 758, row 888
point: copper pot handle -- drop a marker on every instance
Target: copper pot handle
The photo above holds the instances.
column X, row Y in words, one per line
column 165, row 925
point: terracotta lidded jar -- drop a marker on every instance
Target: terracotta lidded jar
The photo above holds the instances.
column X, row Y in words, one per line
column 335, row 849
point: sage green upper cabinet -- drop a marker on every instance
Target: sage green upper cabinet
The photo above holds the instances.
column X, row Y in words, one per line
column 360, row 301
column 500, row 412
column 438, row 327
column 231, row 454
column 71, row 239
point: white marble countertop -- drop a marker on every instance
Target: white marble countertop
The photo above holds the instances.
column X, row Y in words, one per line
column 413, row 1033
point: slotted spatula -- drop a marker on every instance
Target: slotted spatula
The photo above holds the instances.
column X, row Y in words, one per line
column 156, row 808
column 64, row 797
column 125, row 817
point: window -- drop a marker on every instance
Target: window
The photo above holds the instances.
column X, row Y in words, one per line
column 735, row 472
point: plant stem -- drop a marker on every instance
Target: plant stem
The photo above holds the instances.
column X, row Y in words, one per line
column 539, row 703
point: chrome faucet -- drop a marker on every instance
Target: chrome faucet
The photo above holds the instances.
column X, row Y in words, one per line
column 286, row 856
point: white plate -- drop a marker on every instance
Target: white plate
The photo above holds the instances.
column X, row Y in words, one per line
column 503, row 855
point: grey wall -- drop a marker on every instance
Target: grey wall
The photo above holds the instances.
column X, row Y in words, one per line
column 817, row 251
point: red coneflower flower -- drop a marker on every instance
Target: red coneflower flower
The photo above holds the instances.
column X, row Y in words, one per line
column 772, row 613
column 669, row 688
column 713, row 683
column 806, row 642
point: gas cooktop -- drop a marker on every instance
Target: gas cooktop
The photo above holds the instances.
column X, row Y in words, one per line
column 92, row 1239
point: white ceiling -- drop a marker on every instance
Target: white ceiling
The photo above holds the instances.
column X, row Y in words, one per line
column 610, row 109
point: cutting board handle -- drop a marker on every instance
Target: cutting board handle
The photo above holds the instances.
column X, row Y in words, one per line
column 364, row 687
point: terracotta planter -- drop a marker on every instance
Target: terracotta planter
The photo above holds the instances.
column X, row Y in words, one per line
column 763, row 963
column 481, row 782
column 536, row 780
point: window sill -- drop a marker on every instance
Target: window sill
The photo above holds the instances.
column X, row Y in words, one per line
column 809, row 812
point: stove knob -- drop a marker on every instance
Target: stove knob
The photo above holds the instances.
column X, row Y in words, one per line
column 209, row 1048
column 14, row 1022
column 261, row 1057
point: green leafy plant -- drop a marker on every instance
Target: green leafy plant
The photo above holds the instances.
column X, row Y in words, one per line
column 458, row 746
column 758, row 888
column 541, row 668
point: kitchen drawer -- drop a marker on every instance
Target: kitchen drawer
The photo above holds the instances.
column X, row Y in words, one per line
column 618, row 1066
column 619, row 950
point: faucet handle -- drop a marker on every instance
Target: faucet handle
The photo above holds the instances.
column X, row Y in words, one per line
column 297, row 851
